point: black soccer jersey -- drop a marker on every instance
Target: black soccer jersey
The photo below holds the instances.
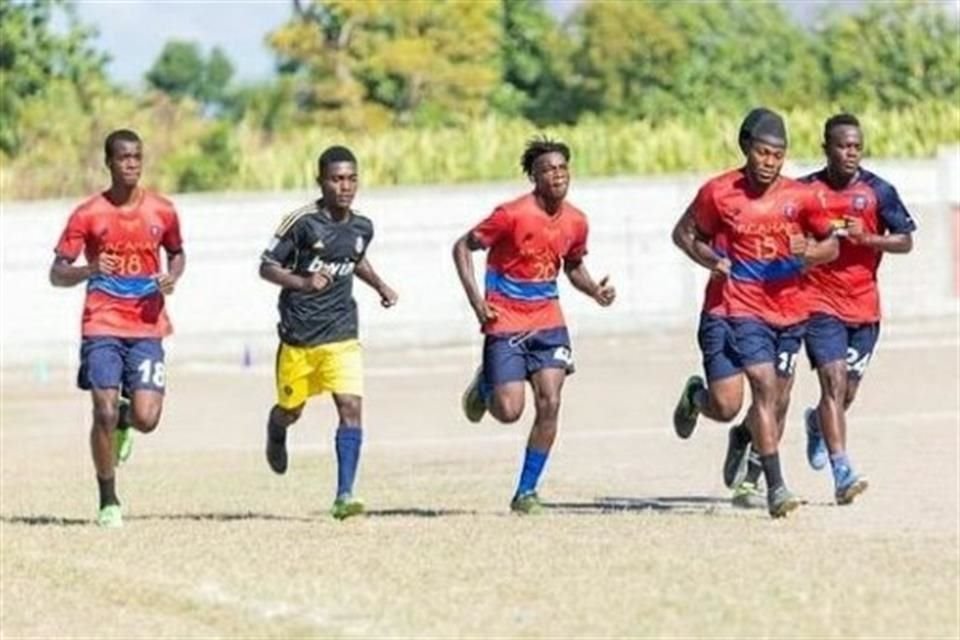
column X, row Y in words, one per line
column 307, row 241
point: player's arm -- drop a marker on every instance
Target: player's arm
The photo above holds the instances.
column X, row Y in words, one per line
column 695, row 244
column 176, row 265
column 366, row 273
column 812, row 251
column 888, row 243
column 603, row 292
column 277, row 255
column 463, row 250
column 63, row 273
column 896, row 219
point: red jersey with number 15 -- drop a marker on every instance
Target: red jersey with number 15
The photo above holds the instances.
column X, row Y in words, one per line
column 753, row 232
column 527, row 247
column 127, row 304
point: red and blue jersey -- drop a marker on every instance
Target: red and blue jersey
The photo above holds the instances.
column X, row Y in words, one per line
column 527, row 247
column 753, row 232
column 847, row 287
column 127, row 304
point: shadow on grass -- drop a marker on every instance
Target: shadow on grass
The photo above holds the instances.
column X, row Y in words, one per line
column 616, row 504
column 57, row 521
column 46, row 521
column 417, row 512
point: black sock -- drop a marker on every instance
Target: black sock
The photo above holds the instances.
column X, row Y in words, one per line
column 277, row 432
column 108, row 493
column 771, row 470
column 754, row 468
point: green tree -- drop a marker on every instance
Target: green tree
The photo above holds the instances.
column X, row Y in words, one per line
column 891, row 55
column 181, row 70
column 370, row 62
column 33, row 54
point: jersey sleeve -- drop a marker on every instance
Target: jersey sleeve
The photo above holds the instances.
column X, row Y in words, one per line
column 284, row 243
column 73, row 238
column 493, row 228
column 367, row 235
column 891, row 210
column 706, row 216
column 578, row 248
column 172, row 240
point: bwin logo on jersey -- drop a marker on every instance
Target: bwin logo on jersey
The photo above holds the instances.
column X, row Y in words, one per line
column 332, row 269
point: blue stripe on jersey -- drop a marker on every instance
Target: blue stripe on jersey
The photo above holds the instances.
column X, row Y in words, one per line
column 123, row 286
column 766, row 270
column 520, row 290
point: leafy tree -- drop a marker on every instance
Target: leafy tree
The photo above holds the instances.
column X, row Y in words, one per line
column 181, row 70
column 33, row 54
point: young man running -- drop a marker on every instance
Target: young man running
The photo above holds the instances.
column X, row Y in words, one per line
column 313, row 257
column 120, row 232
column 527, row 241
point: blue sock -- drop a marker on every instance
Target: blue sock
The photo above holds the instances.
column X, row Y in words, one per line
column 533, row 462
column 840, row 465
column 349, row 439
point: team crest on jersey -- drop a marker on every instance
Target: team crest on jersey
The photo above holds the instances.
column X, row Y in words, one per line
column 154, row 230
column 359, row 245
column 790, row 211
column 859, row 203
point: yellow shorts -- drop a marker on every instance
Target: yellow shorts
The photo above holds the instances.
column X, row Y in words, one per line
column 302, row 372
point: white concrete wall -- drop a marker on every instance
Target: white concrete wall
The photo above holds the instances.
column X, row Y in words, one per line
column 221, row 307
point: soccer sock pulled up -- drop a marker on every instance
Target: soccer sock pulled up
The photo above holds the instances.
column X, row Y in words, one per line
column 348, row 441
column 108, row 492
column 840, row 464
column 533, row 463
column 754, row 468
column 771, row 471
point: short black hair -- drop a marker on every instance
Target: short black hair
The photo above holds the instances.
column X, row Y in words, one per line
column 331, row 155
column 837, row 120
column 120, row 135
column 539, row 145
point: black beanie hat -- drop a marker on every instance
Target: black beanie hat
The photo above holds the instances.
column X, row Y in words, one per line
column 764, row 125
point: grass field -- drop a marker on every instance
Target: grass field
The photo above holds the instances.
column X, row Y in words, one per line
column 639, row 541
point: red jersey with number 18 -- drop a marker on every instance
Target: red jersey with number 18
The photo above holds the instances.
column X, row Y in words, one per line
column 127, row 304
column 753, row 232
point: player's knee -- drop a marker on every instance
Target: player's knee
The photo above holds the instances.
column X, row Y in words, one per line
column 145, row 419
column 850, row 395
column 105, row 416
column 506, row 410
column 350, row 411
column 548, row 405
column 835, row 385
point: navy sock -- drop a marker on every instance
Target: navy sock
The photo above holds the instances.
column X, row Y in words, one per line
column 771, row 470
column 349, row 439
column 754, row 468
column 533, row 463
column 840, row 464
column 108, row 492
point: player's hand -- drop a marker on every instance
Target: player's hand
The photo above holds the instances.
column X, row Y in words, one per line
column 485, row 313
column 605, row 292
column 721, row 269
column 167, row 283
column 316, row 282
column 854, row 229
column 107, row 263
column 798, row 245
column 388, row 297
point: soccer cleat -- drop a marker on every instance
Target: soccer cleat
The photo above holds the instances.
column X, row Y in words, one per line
column 527, row 504
column 781, row 501
column 746, row 495
column 110, row 517
column 817, row 454
column 685, row 415
column 277, row 448
column 849, row 485
column 473, row 405
column 346, row 506
column 738, row 455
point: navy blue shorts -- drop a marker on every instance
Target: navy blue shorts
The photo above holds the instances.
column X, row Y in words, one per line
column 512, row 357
column 830, row 339
column 729, row 345
column 112, row 363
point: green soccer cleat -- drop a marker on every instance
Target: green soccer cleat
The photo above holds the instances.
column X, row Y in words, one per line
column 473, row 405
column 527, row 504
column 781, row 501
column 746, row 495
column 346, row 506
column 110, row 517
column 685, row 415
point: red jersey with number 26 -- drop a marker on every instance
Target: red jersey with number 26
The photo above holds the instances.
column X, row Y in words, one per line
column 127, row 304
column 527, row 247
column 753, row 232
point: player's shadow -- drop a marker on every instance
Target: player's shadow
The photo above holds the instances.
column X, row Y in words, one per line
column 219, row 517
column 418, row 512
column 45, row 521
column 618, row 504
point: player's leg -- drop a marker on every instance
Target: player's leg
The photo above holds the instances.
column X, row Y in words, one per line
column 340, row 371
column 504, row 376
column 721, row 397
column 826, row 342
column 101, row 373
column 758, row 344
column 144, row 382
column 548, row 360
column 292, row 371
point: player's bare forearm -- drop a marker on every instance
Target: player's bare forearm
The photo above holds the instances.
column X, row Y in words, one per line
column 64, row 274
column 368, row 275
column 176, row 264
column 686, row 238
column 890, row 243
column 463, row 261
column 821, row 251
column 582, row 281
column 281, row 277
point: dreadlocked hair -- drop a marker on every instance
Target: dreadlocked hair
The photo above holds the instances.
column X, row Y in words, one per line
column 539, row 145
